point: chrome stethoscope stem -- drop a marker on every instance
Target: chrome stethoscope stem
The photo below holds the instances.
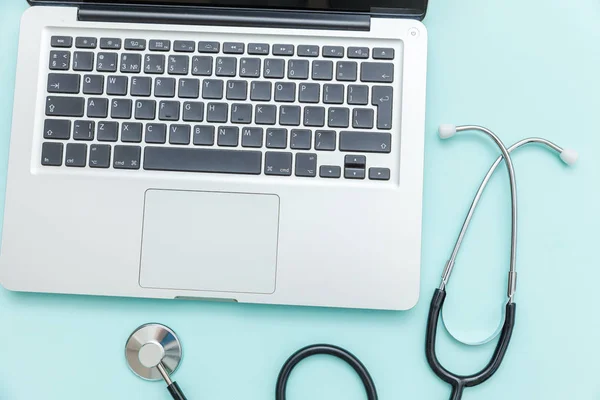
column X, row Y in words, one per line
column 512, row 276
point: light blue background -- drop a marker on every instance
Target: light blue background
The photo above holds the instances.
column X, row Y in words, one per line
column 520, row 67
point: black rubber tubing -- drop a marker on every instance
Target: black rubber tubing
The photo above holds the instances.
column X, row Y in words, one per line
column 327, row 349
column 460, row 382
column 176, row 391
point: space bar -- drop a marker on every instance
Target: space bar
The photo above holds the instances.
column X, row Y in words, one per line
column 202, row 160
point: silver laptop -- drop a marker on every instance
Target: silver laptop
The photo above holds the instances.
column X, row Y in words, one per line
column 250, row 151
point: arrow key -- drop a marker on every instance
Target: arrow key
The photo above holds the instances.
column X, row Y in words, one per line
column 354, row 173
column 329, row 171
column 379, row 174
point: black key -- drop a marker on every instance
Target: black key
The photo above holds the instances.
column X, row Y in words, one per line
column 358, row 52
column 306, row 164
column 265, row 114
column 289, row 115
column 308, row 50
column 338, row 117
column 193, row 111
column 127, row 157
column 250, row 67
column 107, row 62
column 155, row 133
column 99, row 155
column 159, row 45
column 260, row 91
column 202, row 160
column 204, row 135
column 330, row 171
column 145, row 109
column 233, row 48
column 258, row 48
column 117, row 85
column 377, row 72
column 131, row 132
column 346, row 70
column 97, row 107
column 362, row 118
column 179, row 65
column 252, row 137
column 135, row 44
column 189, row 88
column 52, row 153
column 358, row 94
column 202, row 65
column 325, row 140
column 228, row 136
column 120, row 108
column 241, row 113
column 382, row 97
column 141, row 86
column 212, row 89
column 110, row 43
column 314, row 116
column 57, row 129
column 285, row 91
column 93, row 84
column 179, row 134
column 273, row 68
column 354, row 173
column 217, row 112
column 208, row 47
column 86, row 42
column 76, row 155
column 61, row 41
column 309, row 93
column 276, row 138
column 184, row 46
column 226, row 66
column 108, row 131
column 63, row 83
column 370, row 142
column 131, row 63
column 237, row 90
column 300, row 139
column 322, row 70
column 168, row 111
column 59, row 60
column 164, row 87
column 298, row 69
column 333, row 94
column 65, row 106
column 154, row 63
column 379, row 174
column 84, row 130
column 333, row 51
column 354, row 161
column 283, row 49
column 83, row 61
column 278, row 163
column 380, row 53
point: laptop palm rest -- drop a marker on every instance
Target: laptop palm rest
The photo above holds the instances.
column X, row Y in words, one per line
column 209, row 241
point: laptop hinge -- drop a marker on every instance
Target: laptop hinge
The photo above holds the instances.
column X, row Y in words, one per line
column 249, row 18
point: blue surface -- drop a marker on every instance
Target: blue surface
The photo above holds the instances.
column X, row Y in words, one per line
column 534, row 72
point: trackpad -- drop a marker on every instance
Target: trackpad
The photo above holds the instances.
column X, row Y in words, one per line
column 213, row 241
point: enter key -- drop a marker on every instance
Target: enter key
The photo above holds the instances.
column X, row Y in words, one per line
column 382, row 97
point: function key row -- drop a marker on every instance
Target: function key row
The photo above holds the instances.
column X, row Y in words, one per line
column 188, row 46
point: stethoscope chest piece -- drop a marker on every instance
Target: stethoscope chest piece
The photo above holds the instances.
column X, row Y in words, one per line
column 149, row 345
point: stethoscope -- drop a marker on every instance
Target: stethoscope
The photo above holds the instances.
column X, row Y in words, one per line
column 153, row 351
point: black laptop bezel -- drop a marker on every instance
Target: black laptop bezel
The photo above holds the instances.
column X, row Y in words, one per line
column 411, row 13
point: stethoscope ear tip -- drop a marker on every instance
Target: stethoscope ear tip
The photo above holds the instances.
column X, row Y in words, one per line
column 446, row 131
column 569, row 156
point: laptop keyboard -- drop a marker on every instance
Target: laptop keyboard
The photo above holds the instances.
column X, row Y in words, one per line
column 218, row 107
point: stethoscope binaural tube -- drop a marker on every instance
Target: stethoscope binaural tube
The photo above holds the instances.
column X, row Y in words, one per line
column 459, row 382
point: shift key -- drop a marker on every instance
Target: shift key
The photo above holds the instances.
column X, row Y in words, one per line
column 65, row 106
column 365, row 142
